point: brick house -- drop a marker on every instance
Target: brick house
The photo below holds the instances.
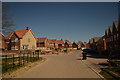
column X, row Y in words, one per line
column 42, row 43
column 68, row 44
column 20, row 40
column 52, row 43
column 59, row 44
column 93, row 42
column 74, row 45
column 2, row 42
column 112, row 36
column 101, row 44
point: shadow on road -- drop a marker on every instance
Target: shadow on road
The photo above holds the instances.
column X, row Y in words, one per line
column 97, row 56
column 103, row 64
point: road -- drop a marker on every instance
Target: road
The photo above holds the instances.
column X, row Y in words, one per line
column 61, row 66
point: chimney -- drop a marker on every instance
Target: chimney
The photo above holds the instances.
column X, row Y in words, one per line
column 27, row 28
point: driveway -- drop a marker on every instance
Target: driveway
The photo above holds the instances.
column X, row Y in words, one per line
column 61, row 66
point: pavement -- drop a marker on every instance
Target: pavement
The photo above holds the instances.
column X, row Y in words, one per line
column 65, row 66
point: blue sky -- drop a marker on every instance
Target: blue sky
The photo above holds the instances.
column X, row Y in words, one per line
column 72, row 21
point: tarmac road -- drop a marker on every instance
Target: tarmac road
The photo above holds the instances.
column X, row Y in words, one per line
column 61, row 66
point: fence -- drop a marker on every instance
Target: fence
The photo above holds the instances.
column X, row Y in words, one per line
column 14, row 61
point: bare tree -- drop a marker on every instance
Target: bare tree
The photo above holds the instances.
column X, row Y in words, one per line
column 7, row 23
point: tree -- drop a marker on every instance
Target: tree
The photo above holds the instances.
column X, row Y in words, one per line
column 7, row 23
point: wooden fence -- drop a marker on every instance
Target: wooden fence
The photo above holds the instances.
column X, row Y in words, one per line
column 13, row 61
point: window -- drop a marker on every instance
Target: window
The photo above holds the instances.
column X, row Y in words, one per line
column 12, row 48
column 12, row 40
column 117, row 36
column 16, row 39
column 25, row 46
column 16, row 47
column 7, row 41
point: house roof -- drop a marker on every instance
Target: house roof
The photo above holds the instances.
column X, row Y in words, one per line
column 59, row 42
column 111, row 29
column 116, row 24
column 41, row 39
column 74, row 43
column 94, row 39
column 19, row 33
column 106, row 31
column 68, row 42
column 1, row 36
column 51, row 40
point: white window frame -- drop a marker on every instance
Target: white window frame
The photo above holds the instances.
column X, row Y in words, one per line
column 16, row 39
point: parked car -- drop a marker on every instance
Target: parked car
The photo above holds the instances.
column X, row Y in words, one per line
column 37, row 50
column 114, row 58
column 89, row 51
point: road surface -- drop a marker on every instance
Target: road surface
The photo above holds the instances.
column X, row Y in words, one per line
column 61, row 66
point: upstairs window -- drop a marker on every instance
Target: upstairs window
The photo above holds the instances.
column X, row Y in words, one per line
column 7, row 41
column 12, row 40
column 16, row 39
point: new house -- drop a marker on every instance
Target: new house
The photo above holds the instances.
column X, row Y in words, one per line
column 42, row 43
column 68, row 44
column 21, row 39
column 59, row 43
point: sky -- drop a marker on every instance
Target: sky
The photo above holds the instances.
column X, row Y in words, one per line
column 74, row 21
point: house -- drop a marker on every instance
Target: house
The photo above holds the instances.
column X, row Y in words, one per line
column 52, row 43
column 93, row 42
column 21, row 39
column 59, row 44
column 101, row 44
column 68, row 44
column 2, row 42
column 112, row 36
column 42, row 43
column 74, row 45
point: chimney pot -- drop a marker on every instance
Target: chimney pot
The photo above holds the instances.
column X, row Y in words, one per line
column 27, row 28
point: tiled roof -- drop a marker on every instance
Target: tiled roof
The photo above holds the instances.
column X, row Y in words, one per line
column 51, row 40
column 59, row 42
column 68, row 42
column 41, row 39
column 19, row 33
column 94, row 39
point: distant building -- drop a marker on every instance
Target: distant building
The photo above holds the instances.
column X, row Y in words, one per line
column 74, row 45
column 101, row 44
column 68, row 44
column 42, row 43
column 59, row 43
column 52, row 43
column 93, row 42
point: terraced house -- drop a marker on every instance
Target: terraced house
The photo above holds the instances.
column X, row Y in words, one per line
column 112, row 36
column 20, row 40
